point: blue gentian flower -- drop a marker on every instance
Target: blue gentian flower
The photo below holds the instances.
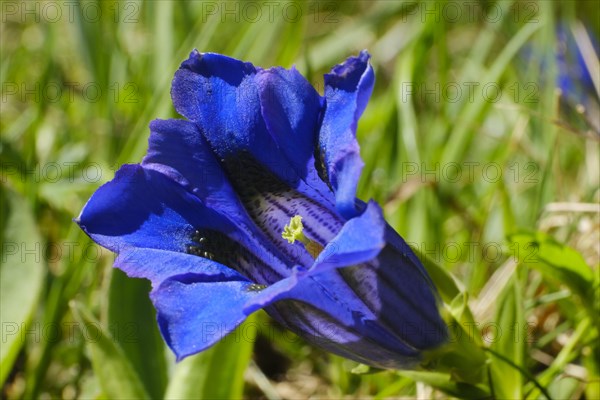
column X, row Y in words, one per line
column 250, row 203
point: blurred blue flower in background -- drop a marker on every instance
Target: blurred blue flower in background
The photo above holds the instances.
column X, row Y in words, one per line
column 579, row 73
column 250, row 203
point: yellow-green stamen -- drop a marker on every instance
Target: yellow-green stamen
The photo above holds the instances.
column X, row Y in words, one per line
column 294, row 231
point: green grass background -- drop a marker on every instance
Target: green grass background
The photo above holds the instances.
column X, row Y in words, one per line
column 495, row 186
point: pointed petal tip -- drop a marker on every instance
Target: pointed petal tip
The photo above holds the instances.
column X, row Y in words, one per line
column 181, row 355
column 209, row 64
column 358, row 65
column 125, row 170
column 348, row 88
column 193, row 60
column 364, row 55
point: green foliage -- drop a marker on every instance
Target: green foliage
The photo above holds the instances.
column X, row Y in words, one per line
column 557, row 261
column 497, row 195
column 116, row 374
column 198, row 376
column 132, row 318
column 507, row 380
column 20, row 282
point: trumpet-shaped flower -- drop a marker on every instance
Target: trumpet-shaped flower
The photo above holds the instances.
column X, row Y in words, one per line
column 250, row 203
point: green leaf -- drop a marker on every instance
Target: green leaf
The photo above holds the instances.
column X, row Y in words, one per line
column 132, row 322
column 115, row 373
column 508, row 339
column 462, row 357
column 569, row 352
column 363, row 369
column 554, row 259
column 445, row 383
column 566, row 387
column 533, row 382
column 591, row 362
column 21, row 275
column 216, row 373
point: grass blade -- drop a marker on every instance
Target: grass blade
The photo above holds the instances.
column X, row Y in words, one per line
column 21, row 276
column 115, row 373
column 217, row 373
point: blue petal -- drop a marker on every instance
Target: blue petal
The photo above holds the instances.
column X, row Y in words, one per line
column 222, row 96
column 219, row 94
column 326, row 309
column 273, row 180
column 160, row 265
column 347, row 91
column 367, row 297
column 143, row 208
column 397, row 291
column 360, row 240
column 382, row 312
column 177, row 149
column 198, row 307
column 291, row 108
column 326, row 312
